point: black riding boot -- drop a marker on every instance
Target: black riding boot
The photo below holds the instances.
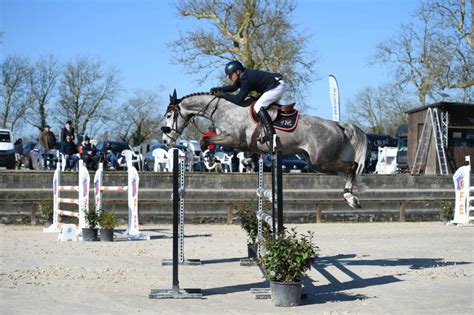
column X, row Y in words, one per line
column 267, row 121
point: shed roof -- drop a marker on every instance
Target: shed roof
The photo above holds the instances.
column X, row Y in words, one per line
column 442, row 105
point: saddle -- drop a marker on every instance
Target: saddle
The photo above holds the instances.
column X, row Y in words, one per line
column 284, row 117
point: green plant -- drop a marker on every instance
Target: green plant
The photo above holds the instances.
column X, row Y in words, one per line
column 92, row 218
column 46, row 210
column 446, row 211
column 108, row 220
column 249, row 223
column 287, row 257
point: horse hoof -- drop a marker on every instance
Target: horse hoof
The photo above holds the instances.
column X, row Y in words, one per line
column 352, row 200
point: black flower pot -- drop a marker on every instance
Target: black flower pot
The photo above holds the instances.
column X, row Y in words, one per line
column 252, row 251
column 107, row 235
column 286, row 293
column 89, row 235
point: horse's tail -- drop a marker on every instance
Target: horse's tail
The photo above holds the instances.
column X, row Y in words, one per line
column 358, row 141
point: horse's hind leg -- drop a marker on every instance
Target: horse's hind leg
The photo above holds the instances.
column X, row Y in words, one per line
column 349, row 170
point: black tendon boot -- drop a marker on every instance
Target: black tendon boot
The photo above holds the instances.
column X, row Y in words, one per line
column 267, row 121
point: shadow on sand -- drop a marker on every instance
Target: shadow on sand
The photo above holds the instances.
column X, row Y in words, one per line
column 334, row 290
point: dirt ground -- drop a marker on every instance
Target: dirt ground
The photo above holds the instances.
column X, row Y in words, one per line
column 364, row 268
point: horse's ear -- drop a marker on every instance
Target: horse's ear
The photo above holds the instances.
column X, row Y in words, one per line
column 173, row 97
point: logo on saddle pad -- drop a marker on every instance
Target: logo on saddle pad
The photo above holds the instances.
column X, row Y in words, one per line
column 284, row 117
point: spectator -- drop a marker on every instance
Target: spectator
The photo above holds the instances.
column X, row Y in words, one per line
column 18, row 152
column 47, row 139
column 68, row 129
column 88, row 153
column 71, row 154
column 110, row 156
column 249, row 161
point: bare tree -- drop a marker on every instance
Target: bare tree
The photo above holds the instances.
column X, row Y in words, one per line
column 379, row 110
column 139, row 118
column 455, row 22
column 43, row 82
column 85, row 93
column 434, row 52
column 15, row 95
column 260, row 33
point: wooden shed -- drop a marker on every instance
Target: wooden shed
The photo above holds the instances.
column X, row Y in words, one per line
column 452, row 131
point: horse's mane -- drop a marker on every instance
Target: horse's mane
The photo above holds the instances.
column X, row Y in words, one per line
column 195, row 94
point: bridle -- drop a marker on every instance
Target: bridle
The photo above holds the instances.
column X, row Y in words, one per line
column 176, row 110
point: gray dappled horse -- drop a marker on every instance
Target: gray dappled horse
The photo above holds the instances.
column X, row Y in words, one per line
column 330, row 147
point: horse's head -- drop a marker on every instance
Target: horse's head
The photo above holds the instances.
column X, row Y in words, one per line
column 181, row 111
column 174, row 121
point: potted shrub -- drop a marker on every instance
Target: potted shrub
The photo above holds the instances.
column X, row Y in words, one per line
column 92, row 220
column 287, row 257
column 107, row 221
column 249, row 223
column 46, row 212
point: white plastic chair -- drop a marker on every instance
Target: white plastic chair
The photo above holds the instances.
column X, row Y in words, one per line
column 226, row 161
column 132, row 157
column 161, row 160
column 181, row 157
column 241, row 158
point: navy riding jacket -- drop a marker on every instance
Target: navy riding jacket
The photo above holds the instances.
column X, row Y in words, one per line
column 251, row 80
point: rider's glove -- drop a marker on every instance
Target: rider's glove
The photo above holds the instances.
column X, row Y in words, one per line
column 219, row 94
column 215, row 90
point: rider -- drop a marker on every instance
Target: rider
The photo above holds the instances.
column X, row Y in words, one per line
column 270, row 85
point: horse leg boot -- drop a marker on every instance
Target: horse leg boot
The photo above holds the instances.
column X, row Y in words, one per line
column 267, row 122
column 349, row 170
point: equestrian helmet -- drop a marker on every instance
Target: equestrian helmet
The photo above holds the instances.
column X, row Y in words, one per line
column 233, row 66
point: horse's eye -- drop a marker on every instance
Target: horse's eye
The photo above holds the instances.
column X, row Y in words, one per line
column 168, row 116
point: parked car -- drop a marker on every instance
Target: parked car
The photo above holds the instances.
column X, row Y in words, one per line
column 117, row 148
column 7, row 149
column 402, row 148
column 39, row 160
column 291, row 163
column 27, row 148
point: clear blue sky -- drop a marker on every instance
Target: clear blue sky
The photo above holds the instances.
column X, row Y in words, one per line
column 132, row 35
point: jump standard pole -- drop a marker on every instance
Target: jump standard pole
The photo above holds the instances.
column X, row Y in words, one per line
column 175, row 292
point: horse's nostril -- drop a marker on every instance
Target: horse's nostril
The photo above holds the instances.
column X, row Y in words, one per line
column 166, row 129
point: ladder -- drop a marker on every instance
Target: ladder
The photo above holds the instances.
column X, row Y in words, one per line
column 431, row 125
column 441, row 142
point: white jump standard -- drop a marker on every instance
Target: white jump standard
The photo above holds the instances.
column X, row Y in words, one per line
column 132, row 232
column 82, row 201
column 464, row 193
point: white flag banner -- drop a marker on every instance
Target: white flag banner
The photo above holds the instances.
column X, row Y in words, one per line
column 334, row 96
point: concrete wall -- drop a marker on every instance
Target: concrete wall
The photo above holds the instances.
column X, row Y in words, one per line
column 214, row 197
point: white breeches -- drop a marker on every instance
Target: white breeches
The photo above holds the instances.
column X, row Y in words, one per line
column 270, row 96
